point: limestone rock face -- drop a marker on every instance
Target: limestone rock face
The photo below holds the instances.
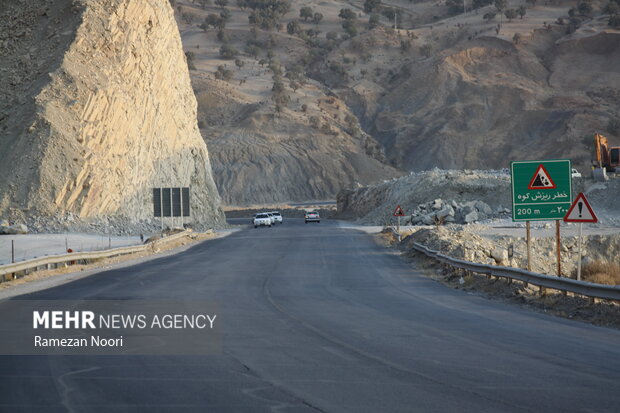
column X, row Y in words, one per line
column 115, row 117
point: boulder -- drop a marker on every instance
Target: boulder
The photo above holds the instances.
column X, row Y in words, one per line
column 471, row 217
column 14, row 229
column 437, row 204
column 500, row 255
column 428, row 220
column 446, row 211
column 483, row 207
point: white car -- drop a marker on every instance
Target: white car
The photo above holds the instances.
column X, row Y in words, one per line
column 262, row 220
column 271, row 217
column 277, row 216
column 575, row 173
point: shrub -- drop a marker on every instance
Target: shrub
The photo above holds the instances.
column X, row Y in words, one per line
column 614, row 21
column 315, row 122
column 602, row 272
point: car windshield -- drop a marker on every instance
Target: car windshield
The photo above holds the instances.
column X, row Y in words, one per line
column 276, row 214
column 262, row 216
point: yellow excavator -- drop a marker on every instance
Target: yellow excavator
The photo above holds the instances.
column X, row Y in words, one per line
column 607, row 159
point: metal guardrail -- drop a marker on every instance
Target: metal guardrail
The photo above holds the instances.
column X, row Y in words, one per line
column 607, row 292
column 48, row 260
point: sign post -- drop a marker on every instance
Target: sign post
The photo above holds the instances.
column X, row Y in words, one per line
column 541, row 191
column 580, row 211
column 398, row 212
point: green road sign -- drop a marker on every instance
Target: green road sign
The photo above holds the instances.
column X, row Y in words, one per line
column 541, row 190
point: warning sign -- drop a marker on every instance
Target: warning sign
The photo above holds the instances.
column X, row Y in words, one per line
column 398, row 212
column 580, row 211
column 541, row 179
column 541, row 190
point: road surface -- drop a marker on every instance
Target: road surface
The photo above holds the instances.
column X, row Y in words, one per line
column 318, row 318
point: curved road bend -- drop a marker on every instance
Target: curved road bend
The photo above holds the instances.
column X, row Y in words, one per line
column 318, row 318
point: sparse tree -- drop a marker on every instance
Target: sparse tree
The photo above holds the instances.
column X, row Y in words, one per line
column 189, row 56
column 242, row 4
column 584, row 8
column 521, row 11
column 511, row 14
column 372, row 5
column 188, row 18
column 500, row 5
column 613, row 8
column 454, row 7
column 347, row 14
column 426, row 50
column 489, row 16
column 227, row 51
column 221, row 3
column 331, row 35
column 252, row 50
column 213, row 20
column 306, row 13
column 350, row 26
column 239, row 63
column 516, row 38
column 373, row 21
column 476, row 4
column 614, row 21
column 225, row 15
column 293, row 27
column 317, row 18
column 405, row 45
column 223, row 74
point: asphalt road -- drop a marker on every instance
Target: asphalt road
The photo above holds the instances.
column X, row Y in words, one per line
column 320, row 318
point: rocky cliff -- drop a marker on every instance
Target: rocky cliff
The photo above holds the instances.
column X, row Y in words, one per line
column 97, row 108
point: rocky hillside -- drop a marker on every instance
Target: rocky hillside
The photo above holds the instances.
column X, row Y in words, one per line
column 96, row 108
column 446, row 89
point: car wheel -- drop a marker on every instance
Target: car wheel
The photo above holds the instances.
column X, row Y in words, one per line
column 255, row 226
column 269, row 226
column 306, row 222
column 318, row 222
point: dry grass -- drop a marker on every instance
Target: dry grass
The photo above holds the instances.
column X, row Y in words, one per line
column 602, row 272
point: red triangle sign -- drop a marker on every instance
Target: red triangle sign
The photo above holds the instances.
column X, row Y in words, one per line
column 541, row 179
column 580, row 211
column 398, row 212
